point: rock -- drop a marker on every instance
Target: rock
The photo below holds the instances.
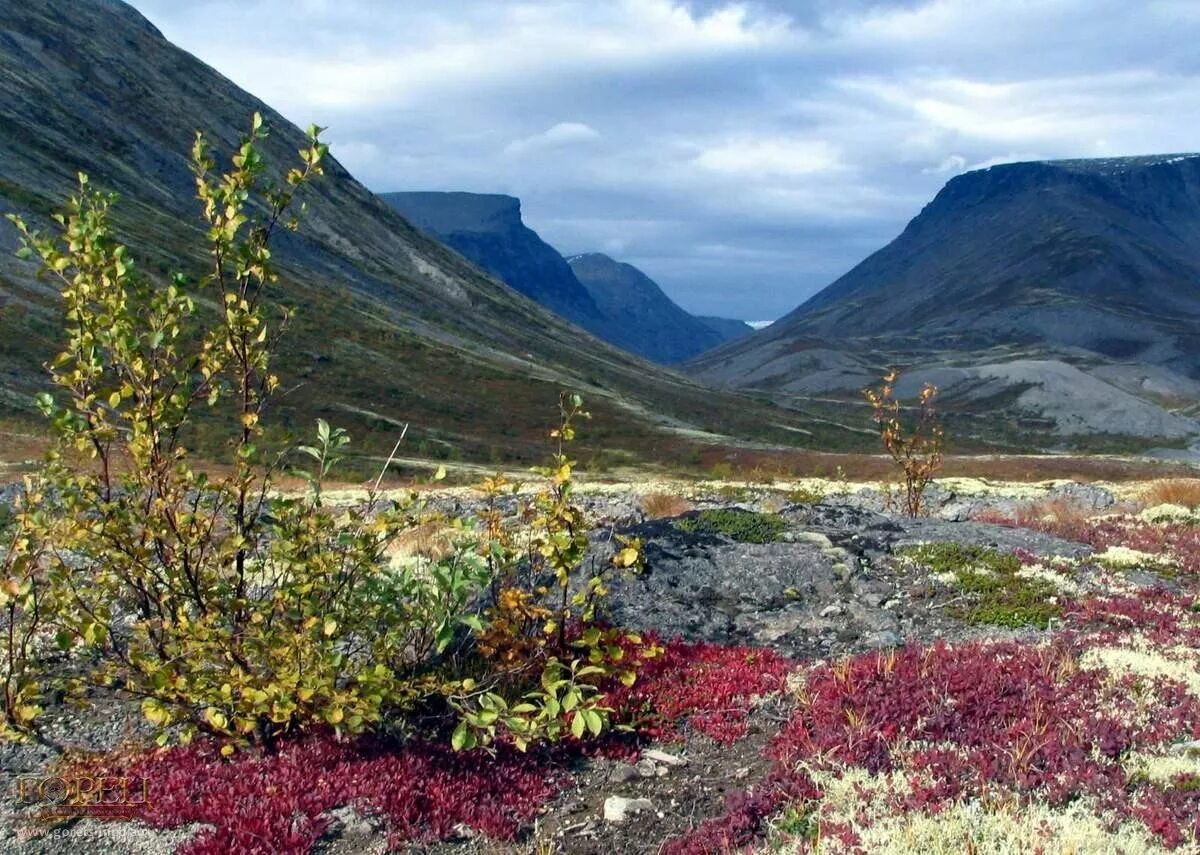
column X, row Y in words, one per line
column 1085, row 495
column 619, row 808
column 1189, row 749
column 646, row 768
column 831, row 611
column 664, row 758
column 622, row 773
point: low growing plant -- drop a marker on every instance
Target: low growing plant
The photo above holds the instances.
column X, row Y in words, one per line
column 742, row 526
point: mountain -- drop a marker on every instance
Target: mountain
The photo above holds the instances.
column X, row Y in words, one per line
column 391, row 327
column 487, row 229
column 616, row 302
column 1051, row 290
column 641, row 318
column 728, row 328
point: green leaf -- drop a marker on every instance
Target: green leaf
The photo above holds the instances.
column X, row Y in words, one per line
column 460, row 737
column 578, row 725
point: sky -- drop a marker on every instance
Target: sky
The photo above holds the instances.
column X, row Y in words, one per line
column 743, row 154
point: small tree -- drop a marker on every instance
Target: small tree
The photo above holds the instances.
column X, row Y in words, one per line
column 225, row 607
column 917, row 448
column 219, row 605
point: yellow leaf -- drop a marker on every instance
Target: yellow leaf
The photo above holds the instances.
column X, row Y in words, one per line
column 627, row 557
column 226, row 750
column 330, row 627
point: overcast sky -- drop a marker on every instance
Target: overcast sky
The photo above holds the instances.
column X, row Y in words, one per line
column 743, row 154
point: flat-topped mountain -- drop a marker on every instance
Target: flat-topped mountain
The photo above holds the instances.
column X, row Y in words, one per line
column 614, row 301
column 487, row 229
column 1090, row 263
column 391, row 326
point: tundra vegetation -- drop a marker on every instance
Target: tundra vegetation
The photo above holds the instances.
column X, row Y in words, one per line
column 450, row 674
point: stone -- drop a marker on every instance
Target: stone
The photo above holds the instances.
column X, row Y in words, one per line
column 831, row 611
column 646, row 768
column 622, row 772
column 619, row 808
column 664, row 758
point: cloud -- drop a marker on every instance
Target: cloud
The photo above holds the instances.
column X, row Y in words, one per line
column 558, row 136
column 767, row 157
column 744, row 154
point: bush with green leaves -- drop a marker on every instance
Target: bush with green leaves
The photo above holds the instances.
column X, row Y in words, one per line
column 222, row 605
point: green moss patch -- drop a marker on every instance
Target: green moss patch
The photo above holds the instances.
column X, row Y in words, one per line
column 742, row 526
column 994, row 592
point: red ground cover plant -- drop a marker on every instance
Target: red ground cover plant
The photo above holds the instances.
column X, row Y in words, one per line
column 1181, row 542
column 705, row 687
column 422, row 790
column 963, row 721
column 274, row 803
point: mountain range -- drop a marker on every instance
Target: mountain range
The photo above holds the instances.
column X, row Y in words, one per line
column 1058, row 297
column 391, row 326
column 614, row 301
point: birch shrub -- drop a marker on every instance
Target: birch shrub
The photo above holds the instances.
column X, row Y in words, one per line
column 220, row 605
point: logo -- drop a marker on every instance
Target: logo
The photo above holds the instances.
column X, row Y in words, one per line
column 62, row 797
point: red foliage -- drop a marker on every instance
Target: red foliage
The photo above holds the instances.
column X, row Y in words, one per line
column 964, row 720
column 420, row 790
column 703, row 686
column 1181, row 542
column 273, row 803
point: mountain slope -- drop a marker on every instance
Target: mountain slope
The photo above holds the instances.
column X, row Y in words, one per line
column 487, row 229
column 1087, row 263
column 391, row 326
column 641, row 318
column 728, row 328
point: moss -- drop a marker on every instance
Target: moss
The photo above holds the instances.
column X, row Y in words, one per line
column 996, row 595
column 743, row 526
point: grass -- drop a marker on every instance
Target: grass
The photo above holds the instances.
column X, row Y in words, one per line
column 662, row 505
column 1173, row 491
column 739, row 525
column 996, row 594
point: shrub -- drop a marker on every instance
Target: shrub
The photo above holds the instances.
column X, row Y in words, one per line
column 916, row 449
column 222, row 607
column 24, row 603
column 229, row 609
column 743, row 526
column 661, row 505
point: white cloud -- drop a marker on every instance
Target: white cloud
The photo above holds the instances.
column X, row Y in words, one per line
column 562, row 134
column 757, row 157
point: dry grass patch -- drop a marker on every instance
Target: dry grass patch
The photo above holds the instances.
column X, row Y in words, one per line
column 658, row 506
column 1058, row 511
column 1173, row 491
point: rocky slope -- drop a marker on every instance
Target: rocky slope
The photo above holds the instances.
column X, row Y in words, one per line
column 1014, row 277
column 392, row 327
